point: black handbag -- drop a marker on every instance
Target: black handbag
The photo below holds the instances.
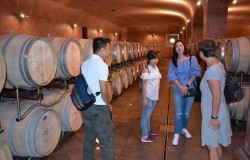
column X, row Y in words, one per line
column 195, row 92
column 197, row 97
column 191, row 93
column 232, row 91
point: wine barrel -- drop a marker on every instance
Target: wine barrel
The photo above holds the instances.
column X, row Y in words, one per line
column 237, row 55
column 37, row 135
column 71, row 118
column 116, row 84
column 5, row 153
column 134, row 72
column 220, row 50
column 124, row 51
column 110, row 90
column 238, row 110
column 139, row 69
column 30, row 61
column 69, row 57
column 124, row 78
column 135, row 47
column 144, row 50
column 193, row 49
column 130, row 51
column 139, row 48
column 130, row 75
column 87, row 47
column 109, row 61
column 2, row 71
column 116, row 53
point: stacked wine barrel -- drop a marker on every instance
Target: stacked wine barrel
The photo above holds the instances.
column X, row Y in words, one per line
column 29, row 63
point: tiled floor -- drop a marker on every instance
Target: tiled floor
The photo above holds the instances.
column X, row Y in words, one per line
column 126, row 116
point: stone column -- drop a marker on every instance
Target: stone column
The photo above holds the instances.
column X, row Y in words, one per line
column 215, row 19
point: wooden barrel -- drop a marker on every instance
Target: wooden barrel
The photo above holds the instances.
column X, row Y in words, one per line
column 37, row 135
column 116, row 53
column 5, row 153
column 130, row 51
column 87, row 47
column 2, row 71
column 69, row 57
column 193, row 49
column 124, row 78
column 110, row 90
column 124, row 51
column 238, row 110
column 116, row 84
column 139, row 48
column 71, row 118
column 237, row 55
column 139, row 68
column 30, row 61
column 220, row 50
column 135, row 48
column 130, row 75
column 134, row 72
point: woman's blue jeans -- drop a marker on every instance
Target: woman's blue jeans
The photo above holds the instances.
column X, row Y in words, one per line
column 145, row 118
column 182, row 107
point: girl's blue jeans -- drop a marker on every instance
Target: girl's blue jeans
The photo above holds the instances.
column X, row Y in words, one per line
column 182, row 107
column 145, row 118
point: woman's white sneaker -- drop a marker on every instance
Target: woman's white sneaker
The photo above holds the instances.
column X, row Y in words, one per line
column 175, row 140
column 186, row 133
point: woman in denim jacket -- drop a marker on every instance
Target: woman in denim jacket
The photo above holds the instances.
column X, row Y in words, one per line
column 182, row 72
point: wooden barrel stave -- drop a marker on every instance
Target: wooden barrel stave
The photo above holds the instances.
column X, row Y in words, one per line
column 116, row 53
column 124, row 52
column 110, row 91
column 220, row 50
column 87, row 48
column 130, row 51
column 5, row 153
column 135, row 48
column 130, row 75
column 124, row 78
column 36, row 135
column 116, row 84
column 2, row 71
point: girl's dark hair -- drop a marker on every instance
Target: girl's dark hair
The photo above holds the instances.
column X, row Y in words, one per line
column 152, row 55
column 207, row 47
column 175, row 54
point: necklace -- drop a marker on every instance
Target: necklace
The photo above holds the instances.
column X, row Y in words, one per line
column 211, row 63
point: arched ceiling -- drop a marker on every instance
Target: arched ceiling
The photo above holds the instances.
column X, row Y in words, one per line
column 167, row 16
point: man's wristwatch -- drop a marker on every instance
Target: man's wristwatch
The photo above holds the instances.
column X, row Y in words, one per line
column 214, row 117
column 187, row 85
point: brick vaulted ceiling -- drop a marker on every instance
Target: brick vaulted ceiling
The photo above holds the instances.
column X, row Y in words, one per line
column 167, row 16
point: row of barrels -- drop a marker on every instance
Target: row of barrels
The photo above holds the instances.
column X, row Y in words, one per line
column 31, row 62
column 121, row 79
column 233, row 53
